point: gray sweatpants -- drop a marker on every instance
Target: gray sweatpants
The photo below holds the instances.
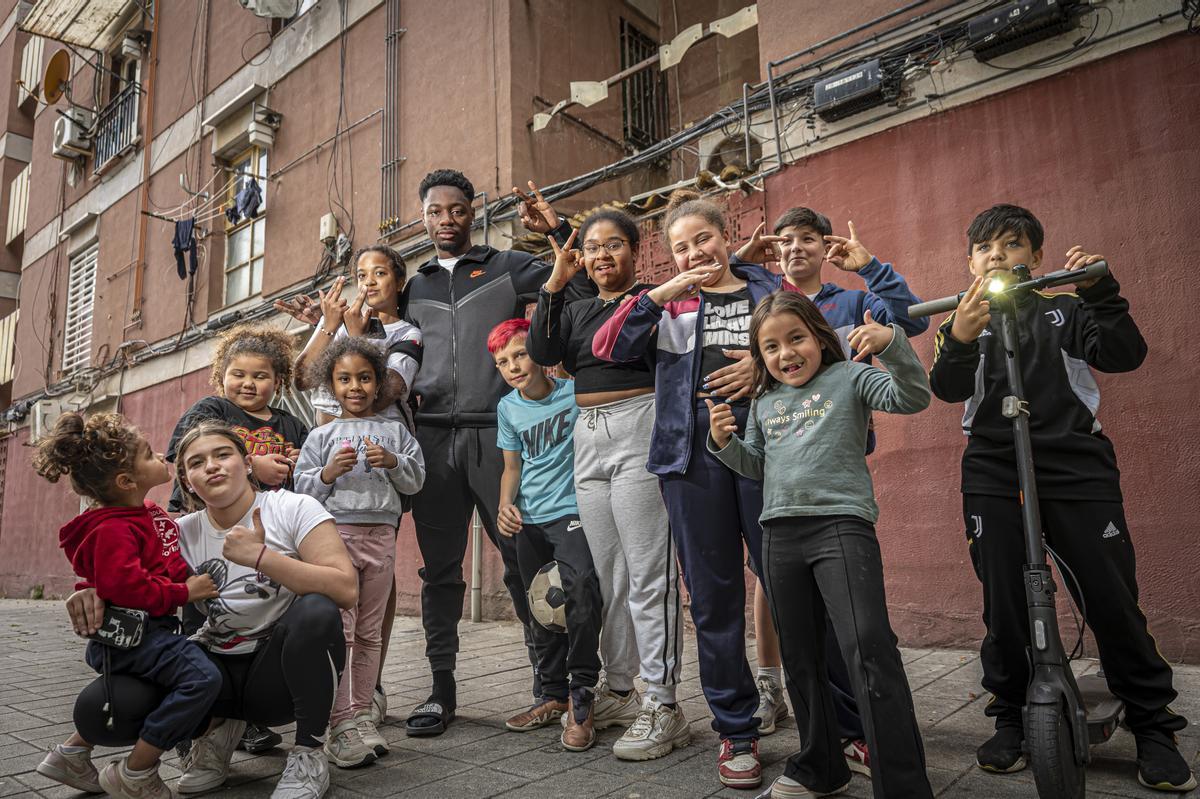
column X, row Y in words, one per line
column 625, row 522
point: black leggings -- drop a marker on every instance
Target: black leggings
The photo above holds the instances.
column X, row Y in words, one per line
column 292, row 677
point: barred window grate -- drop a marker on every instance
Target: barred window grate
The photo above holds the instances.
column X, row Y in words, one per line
column 643, row 95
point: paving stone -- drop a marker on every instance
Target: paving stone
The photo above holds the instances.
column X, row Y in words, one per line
column 649, row 790
column 571, row 782
column 478, row 782
column 477, row 757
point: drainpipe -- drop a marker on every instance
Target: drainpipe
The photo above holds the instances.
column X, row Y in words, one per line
column 476, row 568
column 139, row 266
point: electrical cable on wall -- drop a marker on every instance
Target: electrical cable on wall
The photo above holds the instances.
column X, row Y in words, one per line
column 907, row 58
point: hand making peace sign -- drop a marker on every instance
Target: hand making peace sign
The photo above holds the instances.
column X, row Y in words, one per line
column 847, row 254
column 536, row 213
column 567, row 263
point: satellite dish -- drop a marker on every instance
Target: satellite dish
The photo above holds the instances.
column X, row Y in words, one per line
column 58, row 73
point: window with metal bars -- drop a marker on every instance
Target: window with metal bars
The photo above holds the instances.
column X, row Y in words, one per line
column 81, row 295
column 643, row 95
column 246, row 240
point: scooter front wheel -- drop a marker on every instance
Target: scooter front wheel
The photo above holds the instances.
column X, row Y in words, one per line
column 1052, row 752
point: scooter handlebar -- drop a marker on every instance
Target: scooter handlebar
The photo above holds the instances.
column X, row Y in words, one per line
column 1058, row 278
column 934, row 306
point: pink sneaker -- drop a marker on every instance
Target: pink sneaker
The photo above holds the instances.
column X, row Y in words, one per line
column 74, row 769
column 857, row 757
column 737, row 764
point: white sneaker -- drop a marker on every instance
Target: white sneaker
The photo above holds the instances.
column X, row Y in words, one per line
column 771, row 707
column 345, row 747
column 370, row 734
column 655, row 732
column 118, row 784
column 206, row 765
column 378, row 709
column 306, row 775
column 71, row 768
column 611, row 709
column 787, row 788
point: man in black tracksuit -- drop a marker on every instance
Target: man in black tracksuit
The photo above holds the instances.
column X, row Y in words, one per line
column 1079, row 490
column 456, row 298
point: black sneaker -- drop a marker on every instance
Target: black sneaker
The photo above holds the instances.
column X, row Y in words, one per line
column 1003, row 753
column 259, row 739
column 1161, row 767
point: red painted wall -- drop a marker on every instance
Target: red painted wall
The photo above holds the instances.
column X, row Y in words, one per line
column 1108, row 157
column 1118, row 176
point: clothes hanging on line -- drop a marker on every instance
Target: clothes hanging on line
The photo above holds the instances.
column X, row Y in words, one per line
column 183, row 241
column 246, row 203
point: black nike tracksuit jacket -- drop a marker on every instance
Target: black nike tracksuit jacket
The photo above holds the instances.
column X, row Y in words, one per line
column 458, row 384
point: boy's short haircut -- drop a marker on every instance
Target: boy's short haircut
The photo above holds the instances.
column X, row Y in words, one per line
column 804, row 217
column 446, row 177
column 1001, row 219
column 505, row 332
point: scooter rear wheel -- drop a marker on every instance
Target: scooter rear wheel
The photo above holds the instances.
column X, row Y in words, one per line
column 1052, row 753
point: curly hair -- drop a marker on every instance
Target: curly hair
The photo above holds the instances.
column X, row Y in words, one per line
column 446, row 177
column 624, row 222
column 92, row 452
column 686, row 202
column 321, row 372
column 265, row 342
column 208, row 427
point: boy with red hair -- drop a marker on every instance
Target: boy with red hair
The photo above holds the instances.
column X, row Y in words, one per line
column 537, row 507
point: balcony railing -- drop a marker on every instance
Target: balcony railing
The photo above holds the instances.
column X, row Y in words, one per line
column 117, row 127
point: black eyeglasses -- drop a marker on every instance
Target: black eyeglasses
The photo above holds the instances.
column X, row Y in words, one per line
column 612, row 245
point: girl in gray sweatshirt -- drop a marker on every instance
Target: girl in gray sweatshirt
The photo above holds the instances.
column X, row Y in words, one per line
column 361, row 467
column 805, row 438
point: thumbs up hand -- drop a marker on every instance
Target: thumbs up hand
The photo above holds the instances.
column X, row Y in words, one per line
column 870, row 338
column 243, row 545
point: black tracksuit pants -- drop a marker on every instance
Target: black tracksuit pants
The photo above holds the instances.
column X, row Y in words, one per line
column 462, row 472
column 829, row 567
column 292, row 676
column 1092, row 538
column 575, row 652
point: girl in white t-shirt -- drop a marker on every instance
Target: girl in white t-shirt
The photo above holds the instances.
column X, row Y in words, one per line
column 274, row 629
column 374, row 313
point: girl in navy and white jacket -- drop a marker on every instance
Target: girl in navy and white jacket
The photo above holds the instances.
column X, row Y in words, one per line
column 687, row 323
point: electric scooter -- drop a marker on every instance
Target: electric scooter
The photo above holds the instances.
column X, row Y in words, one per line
column 1063, row 716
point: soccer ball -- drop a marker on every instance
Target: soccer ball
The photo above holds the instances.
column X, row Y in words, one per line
column 547, row 600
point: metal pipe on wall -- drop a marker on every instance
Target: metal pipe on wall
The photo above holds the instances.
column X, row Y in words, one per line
column 139, row 266
column 476, row 568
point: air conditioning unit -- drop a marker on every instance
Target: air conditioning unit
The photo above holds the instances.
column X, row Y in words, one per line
column 71, row 134
column 45, row 413
column 284, row 9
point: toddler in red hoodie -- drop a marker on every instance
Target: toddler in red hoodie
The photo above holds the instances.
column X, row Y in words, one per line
column 128, row 550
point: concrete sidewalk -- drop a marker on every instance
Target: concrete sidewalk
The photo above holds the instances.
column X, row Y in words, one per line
column 43, row 670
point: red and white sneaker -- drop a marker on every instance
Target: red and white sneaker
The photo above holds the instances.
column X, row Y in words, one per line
column 738, row 764
column 857, row 757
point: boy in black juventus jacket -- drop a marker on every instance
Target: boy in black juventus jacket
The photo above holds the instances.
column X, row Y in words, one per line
column 1078, row 482
column 456, row 298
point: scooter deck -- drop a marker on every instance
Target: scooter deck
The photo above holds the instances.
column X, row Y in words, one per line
column 1103, row 709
